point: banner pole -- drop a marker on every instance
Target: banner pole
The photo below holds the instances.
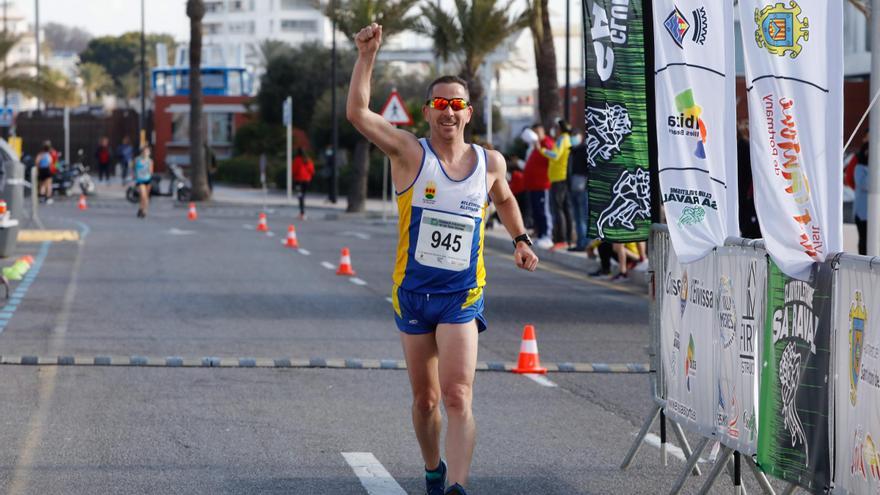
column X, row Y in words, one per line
column 717, row 469
column 663, row 458
column 691, row 464
column 634, row 449
column 760, row 477
column 685, row 445
column 874, row 157
column 650, row 95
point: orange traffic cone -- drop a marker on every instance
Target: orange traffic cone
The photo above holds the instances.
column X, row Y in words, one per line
column 291, row 238
column 193, row 214
column 261, row 225
column 28, row 258
column 82, row 202
column 529, row 362
column 345, row 264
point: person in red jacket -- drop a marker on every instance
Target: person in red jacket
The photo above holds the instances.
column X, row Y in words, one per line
column 538, row 184
column 302, row 171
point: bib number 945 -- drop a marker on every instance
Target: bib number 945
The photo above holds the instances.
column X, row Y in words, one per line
column 448, row 241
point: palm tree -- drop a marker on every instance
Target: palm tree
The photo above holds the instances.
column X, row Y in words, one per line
column 95, row 80
column 545, row 61
column 195, row 10
column 350, row 16
column 66, row 89
column 469, row 35
column 269, row 49
column 21, row 77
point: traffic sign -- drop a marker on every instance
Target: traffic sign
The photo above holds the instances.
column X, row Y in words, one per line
column 7, row 115
column 287, row 111
column 394, row 110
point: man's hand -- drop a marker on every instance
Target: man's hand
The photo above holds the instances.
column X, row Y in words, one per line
column 368, row 39
column 525, row 258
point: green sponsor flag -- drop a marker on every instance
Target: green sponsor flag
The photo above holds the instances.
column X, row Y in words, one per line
column 793, row 421
column 617, row 121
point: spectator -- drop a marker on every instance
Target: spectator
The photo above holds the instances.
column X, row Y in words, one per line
column 748, row 216
column 557, row 172
column 302, row 171
column 629, row 255
column 210, row 166
column 538, row 184
column 577, row 181
column 860, row 203
column 102, row 158
column 516, row 179
column 45, row 170
column 124, row 155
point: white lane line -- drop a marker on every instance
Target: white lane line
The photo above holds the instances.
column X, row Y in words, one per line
column 390, row 301
column 654, row 441
column 541, row 379
column 270, row 234
column 372, row 474
column 359, row 235
column 304, row 252
column 248, row 226
column 357, row 281
column 327, row 265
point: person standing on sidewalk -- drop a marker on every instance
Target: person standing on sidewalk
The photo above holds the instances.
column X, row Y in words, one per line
column 860, row 202
column 538, row 184
column 577, row 180
column 302, row 171
column 103, row 159
column 143, row 175
column 439, row 271
column 557, row 172
column 124, row 154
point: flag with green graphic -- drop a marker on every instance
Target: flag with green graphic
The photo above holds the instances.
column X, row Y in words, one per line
column 617, row 121
column 793, row 420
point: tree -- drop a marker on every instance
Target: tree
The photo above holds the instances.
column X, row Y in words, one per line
column 119, row 55
column 95, row 80
column 469, row 35
column 350, row 17
column 545, row 61
column 66, row 38
column 20, row 76
column 195, row 10
column 271, row 49
column 65, row 94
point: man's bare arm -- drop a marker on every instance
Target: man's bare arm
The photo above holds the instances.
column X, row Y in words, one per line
column 395, row 143
column 508, row 209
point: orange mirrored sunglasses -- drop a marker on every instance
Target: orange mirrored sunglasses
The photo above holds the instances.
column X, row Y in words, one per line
column 441, row 103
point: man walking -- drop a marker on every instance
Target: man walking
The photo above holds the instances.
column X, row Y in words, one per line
column 439, row 272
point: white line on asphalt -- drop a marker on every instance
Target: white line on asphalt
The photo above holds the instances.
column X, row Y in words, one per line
column 327, row 265
column 390, row 301
column 248, row 226
column 357, row 281
column 359, row 235
column 270, row 234
column 372, row 474
column 654, row 441
column 304, row 252
column 541, row 380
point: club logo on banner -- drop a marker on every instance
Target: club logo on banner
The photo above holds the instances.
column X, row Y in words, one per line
column 616, row 121
column 796, row 126
column 742, row 275
column 687, row 313
column 857, row 346
column 694, row 75
column 793, row 430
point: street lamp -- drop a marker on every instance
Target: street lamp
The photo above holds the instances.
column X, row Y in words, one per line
column 332, row 158
column 37, row 36
column 567, row 99
column 142, row 121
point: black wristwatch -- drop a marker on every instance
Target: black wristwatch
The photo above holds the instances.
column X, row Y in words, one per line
column 522, row 238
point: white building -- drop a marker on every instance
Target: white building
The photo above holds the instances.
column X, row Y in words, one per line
column 25, row 51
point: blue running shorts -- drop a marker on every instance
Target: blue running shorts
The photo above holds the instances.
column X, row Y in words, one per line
column 417, row 313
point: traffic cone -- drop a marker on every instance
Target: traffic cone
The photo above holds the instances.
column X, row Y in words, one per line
column 345, row 264
column 192, row 214
column 82, row 205
column 28, row 258
column 291, row 238
column 529, row 362
column 261, row 225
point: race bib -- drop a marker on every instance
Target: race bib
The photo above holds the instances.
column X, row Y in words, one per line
column 445, row 241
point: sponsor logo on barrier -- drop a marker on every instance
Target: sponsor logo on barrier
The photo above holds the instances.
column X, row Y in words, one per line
column 673, row 358
column 681, row 409
column 677, row 26
column 631, row 201
column 690, row 364
column 789, row 381
column 606, row 129
column 687, row 123
column 750, row 424
column 747, row 327
column 857, row 317
column 785, row 152
column 606, row 34
column 780, row 30
column 684, row 291
column 865, row 458
column 795, row 320
column 691, row 215
column 726, row 312
column 698, row 201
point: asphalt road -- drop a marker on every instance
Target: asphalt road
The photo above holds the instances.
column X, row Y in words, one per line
column 165, row 286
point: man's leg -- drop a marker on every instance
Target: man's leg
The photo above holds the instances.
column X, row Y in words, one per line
column 457, row 344
column 420, row 352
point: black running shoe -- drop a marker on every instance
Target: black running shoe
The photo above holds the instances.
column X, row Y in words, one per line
column 435, row 481
column 455, row 489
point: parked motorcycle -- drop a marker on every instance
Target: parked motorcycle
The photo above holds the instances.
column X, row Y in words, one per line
column 178, row 186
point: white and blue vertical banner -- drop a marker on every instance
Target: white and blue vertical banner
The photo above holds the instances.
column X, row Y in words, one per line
column 694, row 78
column 794, row 82
column 687, row 340
column 857, row 385
column 741, row 285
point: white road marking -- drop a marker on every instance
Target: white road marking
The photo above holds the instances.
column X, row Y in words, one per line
column 176, row 231
column 357, row 281
column 541, row 380
column 359, row 235
column 675, row 451
column 391, row 301
column 248, row 226
column 327, row 265
column 372, row 474
column 304, row 252
column 270, row 234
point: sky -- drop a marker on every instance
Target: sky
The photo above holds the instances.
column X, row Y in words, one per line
column 112, row 17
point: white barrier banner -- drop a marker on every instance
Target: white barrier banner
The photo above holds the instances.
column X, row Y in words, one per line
column 857, row 390
column 794, row 81
column 696, row 119
column 686, row 343
column 741, row 285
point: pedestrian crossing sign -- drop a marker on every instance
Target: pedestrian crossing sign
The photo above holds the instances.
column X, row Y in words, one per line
column 395, row 111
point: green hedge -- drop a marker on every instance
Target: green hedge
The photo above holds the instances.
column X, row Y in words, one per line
column 244, row 170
